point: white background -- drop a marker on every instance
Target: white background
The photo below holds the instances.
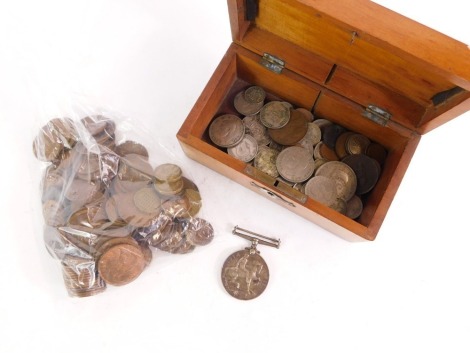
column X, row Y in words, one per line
column 149, row 60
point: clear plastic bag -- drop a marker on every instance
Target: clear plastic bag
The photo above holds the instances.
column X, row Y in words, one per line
column 105, row 204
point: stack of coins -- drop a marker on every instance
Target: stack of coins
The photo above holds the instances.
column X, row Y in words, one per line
column 104, row 204
column 316, row 156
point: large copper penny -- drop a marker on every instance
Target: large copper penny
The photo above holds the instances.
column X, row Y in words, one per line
column 226, row 130
column 295, row 164
column 245, row 275
column 121, row 264
column 274, row 115
column 367, row 171
column 343, row 175
column 291, row 133
column 246, row 150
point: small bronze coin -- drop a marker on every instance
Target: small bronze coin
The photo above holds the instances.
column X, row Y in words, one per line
column 245, row 107
column 246, row 150
column 245, row 275
column 340, row 145
column 357, row 144
column 226, row 130
column 291, row 133
column 274, row 115
column 255, row 94
column 367, row 171
column 322, row 151
column 343, row 175
column 121, row 264
column 295, row 164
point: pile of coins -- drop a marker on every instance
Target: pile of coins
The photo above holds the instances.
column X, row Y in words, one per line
column 104, row 205
column 317, row 157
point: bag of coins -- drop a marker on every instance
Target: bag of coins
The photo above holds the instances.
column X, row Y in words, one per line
column 107, row 206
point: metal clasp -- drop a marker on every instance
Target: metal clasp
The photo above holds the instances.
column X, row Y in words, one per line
column 256, row 238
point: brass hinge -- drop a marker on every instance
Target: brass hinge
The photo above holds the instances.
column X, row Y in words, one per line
column 272, row 63
column 377, row 115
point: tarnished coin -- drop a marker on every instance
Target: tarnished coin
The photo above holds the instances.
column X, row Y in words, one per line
column 295, row 164
column 377, row 152
column 194, row 200
column 322, row 189
column 168, row 172
column 318, row 163
column 354, row 207
column 322, row 124
column 199, row 232
column 331, row 134
column 343, row 175
column 245, row 107
column 121, row 264
column 226, row 130
column 291, row 133
column 357, row 144
column 265, row 161
column 340, row 145
column 245, row 275
column 254, row 128
column 311, row 138
column 322, row 151
column 367, row 171
column 255, row 94
column 307, row 114
column 246, row 150
column 131, row 147
column 274, row 115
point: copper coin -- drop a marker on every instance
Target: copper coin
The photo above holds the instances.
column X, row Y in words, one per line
column 161, row 230
column 307, row 114
column 134, row 167
column 54, row 213
column 199, row 232
column 354, row 207
column 254, row 128
column 265, row 161
column 255, row 94
column 357, row 144
column 291, row 133
column 177, row 207
column 184, row 248
column 226, row 130
column 174, row 240
column 46, row 146
column 322, row 151
column 246, row 150
column 274, row 115
column 377, row 152
column 340, row 146
column 343, row 175
column 245, row 107
column 295, row 164
column 331, row 134
column 81, row 190
column 94, row 124
column 245, row 275
column 129, row 212
column 121, row 264
column 367, row 171
column 110, row 242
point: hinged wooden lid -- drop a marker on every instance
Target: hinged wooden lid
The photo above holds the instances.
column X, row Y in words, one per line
column 364, row 52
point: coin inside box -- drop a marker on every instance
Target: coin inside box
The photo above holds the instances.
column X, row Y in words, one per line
column 359, row 74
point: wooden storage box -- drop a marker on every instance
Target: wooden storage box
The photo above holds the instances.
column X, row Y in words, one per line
column 341, row 60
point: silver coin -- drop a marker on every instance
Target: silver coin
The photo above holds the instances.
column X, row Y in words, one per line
column 227, row 130
column 275, row 115
column 246, row 150
column 354, row 207
column 295, row 164
column 265, row 161
column 244, row 107
column 322, row 189
column 254, row 128
column 255, row 94
column 311, row 138
column 245, row 275
column 343, row 175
